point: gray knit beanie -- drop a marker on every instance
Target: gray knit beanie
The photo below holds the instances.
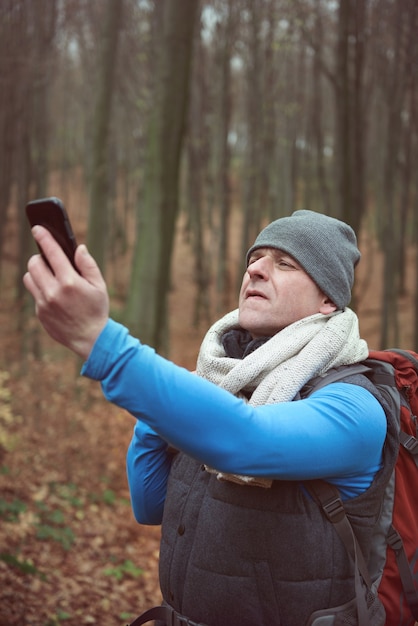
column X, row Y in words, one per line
column 325, row 247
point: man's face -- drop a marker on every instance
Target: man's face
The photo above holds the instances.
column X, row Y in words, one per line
column 276, row 292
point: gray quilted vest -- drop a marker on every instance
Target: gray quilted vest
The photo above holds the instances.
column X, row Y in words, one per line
column 234, row 555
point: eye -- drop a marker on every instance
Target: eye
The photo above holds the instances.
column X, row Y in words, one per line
column 253, row 258
column 285, row 263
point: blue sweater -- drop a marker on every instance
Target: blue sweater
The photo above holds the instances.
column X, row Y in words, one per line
column 337, row 433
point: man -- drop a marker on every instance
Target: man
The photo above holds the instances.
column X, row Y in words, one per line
column 223, row 459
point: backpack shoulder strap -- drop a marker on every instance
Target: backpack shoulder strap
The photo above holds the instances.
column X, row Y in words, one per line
column 394, row 539
column 410, row 443
column 332, row 376
column 380, row 374
column 328, row 497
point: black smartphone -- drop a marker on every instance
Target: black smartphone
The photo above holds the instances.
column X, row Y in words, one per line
column 51, row 213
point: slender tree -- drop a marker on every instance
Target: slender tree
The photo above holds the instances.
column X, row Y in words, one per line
column 317, row 118
column 197, row 165
column 349, row 111
column 390, row 233
column 99, row 192
column 146, row 310
column 252, row 211
column 9, row 60
column 223, row 279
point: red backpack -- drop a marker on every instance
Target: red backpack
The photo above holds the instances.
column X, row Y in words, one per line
column 395, row 374
column 398, row 588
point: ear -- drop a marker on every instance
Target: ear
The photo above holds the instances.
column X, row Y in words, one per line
column 327, row 306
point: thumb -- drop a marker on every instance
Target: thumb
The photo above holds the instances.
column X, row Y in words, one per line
column 87, row 266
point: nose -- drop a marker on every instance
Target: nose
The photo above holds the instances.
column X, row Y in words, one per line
column 259, row 268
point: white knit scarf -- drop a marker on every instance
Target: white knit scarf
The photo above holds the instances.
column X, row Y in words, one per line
column 279, row 368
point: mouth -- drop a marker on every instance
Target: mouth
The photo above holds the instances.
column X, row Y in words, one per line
column 252, row 293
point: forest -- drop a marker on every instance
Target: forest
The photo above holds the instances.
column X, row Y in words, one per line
column 173, row 130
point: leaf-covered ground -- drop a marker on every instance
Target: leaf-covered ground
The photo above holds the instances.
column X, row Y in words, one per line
column 70, row 551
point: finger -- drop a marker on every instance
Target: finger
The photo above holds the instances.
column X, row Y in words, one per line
column 40, row 274
column 37, row 260
column 32, row 287
column 88, row 267
column 53, row 252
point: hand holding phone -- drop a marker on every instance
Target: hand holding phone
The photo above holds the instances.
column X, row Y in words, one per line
column 72, row 309
column 51, row 213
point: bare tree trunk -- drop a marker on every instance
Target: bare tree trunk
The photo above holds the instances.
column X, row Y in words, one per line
column 99, row 192
column 325, row 200
column 350, row 119
column 32, row 133
column 390, row 230
column 269, row 197
column 405, row 199
column 197, row 165
column 15, row 48
column 223, row 279
column 251, row 182
column 409, row 128
column 146, row 310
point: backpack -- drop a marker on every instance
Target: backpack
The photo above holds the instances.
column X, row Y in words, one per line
column 395, row 374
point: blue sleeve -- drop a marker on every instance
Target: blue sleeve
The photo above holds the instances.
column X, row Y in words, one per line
column 337, row 433
column 147, row 465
